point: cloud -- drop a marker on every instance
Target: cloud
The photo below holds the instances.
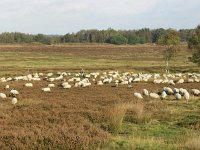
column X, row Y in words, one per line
column 61, row 16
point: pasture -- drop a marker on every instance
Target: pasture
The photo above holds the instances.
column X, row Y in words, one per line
column 96, row 116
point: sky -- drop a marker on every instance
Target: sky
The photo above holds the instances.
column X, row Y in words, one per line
column 67, row 16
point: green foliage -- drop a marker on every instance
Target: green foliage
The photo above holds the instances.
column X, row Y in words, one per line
column 194, row 43
column 171, row 40
column 118, row 40
column 110, row 35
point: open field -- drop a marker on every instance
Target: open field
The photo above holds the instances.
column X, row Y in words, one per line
column 140, row 58
column 95, row 117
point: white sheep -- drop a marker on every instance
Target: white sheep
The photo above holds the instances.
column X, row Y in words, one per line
column 145, row 92
column 163, row 95
column 3, row 96
column 138, row 95
column 28, row 85
column 14, row 101
column 168, row 90
column 187, row 96
column 154, row 95
column 51, row 85
column 176, row 90
column 99, row 83
column 178, row 96
column 66, row 85
column 14, row 92
column 180, row 81
column 47, row 89
column 7, row 87
column 195, row 92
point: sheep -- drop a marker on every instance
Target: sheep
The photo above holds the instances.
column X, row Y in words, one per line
column 14, row 101
column 7, row 87
column 163, row 95
column 145, row 92
column 157, row 81
column 182, row 91
column 28, row 85
column 187, row 96
column 190, row 80
column 180, row 81
column 176, row 90
column 47, row 89
column 66, row 85
column 195, row 92
column 178, row 96
column 51, row 85
column 138, row 95
column 171, row 82
column 3, row 96
column 14, row 92
column 168, row 90
column 99, row 83
column 154, row 95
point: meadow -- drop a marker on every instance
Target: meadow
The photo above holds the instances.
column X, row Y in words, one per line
column 96, row 117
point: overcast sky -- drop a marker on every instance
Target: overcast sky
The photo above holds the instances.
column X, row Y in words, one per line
column 63, row 16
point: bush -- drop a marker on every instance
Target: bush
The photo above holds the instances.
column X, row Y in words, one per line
column 116, row 116
column 117, row 39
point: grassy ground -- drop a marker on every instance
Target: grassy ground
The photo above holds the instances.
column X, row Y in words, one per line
column 20, row 58
column 96, row 117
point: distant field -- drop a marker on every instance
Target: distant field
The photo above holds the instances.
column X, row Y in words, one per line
column 139, row 58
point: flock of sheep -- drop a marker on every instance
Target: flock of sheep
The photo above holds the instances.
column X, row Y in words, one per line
column 114, row 78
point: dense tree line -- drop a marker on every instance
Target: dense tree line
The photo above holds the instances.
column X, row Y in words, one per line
column 111, row 36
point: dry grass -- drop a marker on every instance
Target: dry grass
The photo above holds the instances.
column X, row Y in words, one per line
column 116, row 116
column 193, row 143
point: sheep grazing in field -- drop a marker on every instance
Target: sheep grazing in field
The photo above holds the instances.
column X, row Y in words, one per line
column 190, row 80
column 14, row 101
column 28, row 85
column 138, row 95
column 66, row 85
column 99, row 83
column 154, row 95
column 178, row 96
column 182, row 91
column 175, row 90
column 163, row 95
column 124, row 83
column 7, row 87
column 51, row 79
column 145, row 92
column 196, row 80
column 47, row 89
column 49, row 74
column 3, row 96
column 157, row 81
column 129, row 85
column 195, row 92
column 168, row 90
column 9, row 79
column 171, row 82
column 14, row 92
column 180, row 81
column 3, row 79
column 51, row 85
column 187, row 96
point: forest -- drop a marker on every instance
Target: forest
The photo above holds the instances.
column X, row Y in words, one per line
column 110, row 36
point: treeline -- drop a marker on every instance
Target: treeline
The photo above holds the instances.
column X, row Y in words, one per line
column 111, row 36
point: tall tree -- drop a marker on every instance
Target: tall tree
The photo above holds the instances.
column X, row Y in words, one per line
column 170, row 40
column 194, row 43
